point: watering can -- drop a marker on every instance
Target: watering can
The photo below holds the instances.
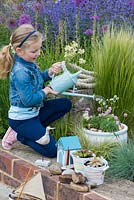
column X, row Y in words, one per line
column 64, row 81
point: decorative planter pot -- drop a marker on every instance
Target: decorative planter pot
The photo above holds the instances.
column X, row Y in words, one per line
column 97, row 138
column 95, row 175
column 79, row 162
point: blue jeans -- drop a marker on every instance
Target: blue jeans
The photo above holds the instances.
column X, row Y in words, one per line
column 30, row 130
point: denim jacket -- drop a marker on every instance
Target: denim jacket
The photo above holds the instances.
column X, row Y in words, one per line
column 26, row 83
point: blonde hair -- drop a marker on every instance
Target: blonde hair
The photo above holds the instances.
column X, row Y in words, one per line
column 6, row 55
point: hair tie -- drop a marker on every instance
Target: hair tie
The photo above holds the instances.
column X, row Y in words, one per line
column 25, row 38
column 11, row 48
column 10, row 45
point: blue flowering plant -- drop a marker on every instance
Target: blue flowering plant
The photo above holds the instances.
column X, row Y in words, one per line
column 104, row 120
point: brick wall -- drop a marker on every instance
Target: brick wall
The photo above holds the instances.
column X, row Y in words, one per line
column 14, row 170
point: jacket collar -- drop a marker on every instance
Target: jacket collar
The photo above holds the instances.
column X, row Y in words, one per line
column 24, row 62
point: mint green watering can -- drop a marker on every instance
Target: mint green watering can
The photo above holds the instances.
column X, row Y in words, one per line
column 64, row 81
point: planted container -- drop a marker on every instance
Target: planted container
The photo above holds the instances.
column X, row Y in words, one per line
column 97, row 138
column 80, row 157
column 95, row 169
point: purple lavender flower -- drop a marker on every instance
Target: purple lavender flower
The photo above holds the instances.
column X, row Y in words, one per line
column 103, row 29
column 57, row 1
column 2, row 19
column 77, row 2
column 37, row 7
column 24, row 19
column 131, row 2
column 116, row 11
column 95, row 17
column 11, row 23
column 88, row 32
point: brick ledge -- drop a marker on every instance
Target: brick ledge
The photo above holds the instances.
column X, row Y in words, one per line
column 14, row 170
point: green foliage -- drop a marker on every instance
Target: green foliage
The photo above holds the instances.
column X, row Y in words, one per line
column 105, row 149
column 94, row 122
column 84, row 153
column 48, row 57
column 4, row 87
column 122, row 162
column 104, row 120
column 4, row 36
column 108, row 124
column 2, row 125
column 62, row 127
column 4, row 105
column 113, row 59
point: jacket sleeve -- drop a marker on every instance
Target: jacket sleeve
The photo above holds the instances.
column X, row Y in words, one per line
column 26, row 91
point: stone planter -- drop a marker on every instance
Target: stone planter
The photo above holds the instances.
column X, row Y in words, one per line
column 97, row 138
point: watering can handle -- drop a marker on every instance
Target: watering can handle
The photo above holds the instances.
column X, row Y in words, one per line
column 64, row 66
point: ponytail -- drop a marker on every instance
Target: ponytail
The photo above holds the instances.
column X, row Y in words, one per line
column 21, row 37
column 6, row 61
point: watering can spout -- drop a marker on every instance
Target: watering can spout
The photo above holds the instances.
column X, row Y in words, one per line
column 75, row 76
column 77, row 73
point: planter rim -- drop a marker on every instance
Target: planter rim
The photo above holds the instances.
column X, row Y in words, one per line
column 107, row 133
column 98, row 168
column 73, row 154
column 105, row 166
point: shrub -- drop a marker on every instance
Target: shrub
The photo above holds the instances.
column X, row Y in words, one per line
column 114, row 66
column 122, row 162
column 4, row 105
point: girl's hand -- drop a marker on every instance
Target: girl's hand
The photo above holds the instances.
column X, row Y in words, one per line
column 55, row 69
column 48, row 90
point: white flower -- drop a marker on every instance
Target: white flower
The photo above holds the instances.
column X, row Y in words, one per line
column 72, row 52
column 85, row 115
column 81, row 51
column 82, row 61
column 74, row 44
